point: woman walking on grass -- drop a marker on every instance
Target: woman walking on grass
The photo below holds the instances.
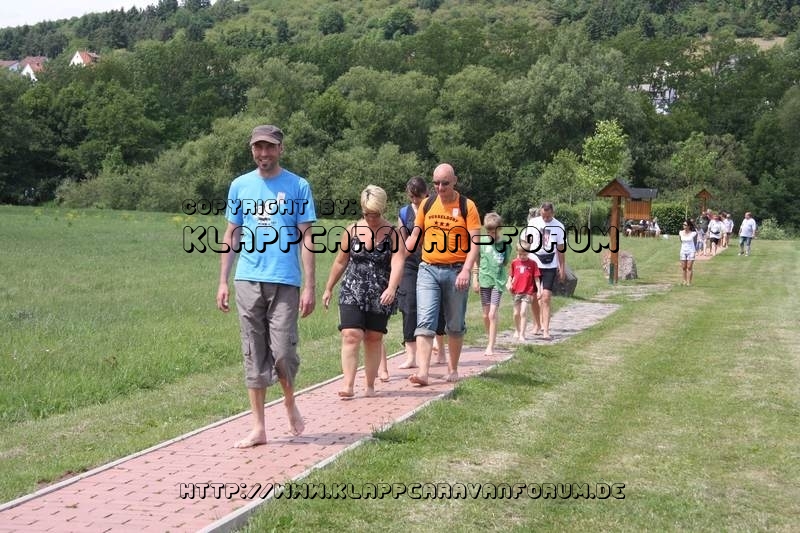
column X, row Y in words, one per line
column 688, row 237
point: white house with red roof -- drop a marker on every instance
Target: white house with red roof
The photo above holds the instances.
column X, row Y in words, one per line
column 83, row 58
column 31, row 65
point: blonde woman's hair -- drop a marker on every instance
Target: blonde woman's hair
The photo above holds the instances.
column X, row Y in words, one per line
column 373, row 199
column 492, row 220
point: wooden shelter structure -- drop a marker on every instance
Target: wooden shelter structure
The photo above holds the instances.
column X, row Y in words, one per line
column 615, row 190
column 639, row 205
column 704, row 196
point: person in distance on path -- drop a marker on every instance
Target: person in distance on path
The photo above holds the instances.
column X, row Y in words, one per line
column 545, row 237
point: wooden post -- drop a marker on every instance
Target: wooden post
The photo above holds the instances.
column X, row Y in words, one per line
column 704, row 195
column 615, row 190
column 613, row 273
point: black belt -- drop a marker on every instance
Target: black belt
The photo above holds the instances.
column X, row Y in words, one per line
column 446, row 265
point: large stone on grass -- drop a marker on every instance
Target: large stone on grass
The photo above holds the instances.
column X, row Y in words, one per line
column 627, row 265
column 567, row 288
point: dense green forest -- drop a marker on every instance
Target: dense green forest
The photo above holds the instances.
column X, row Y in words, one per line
column 530, row 100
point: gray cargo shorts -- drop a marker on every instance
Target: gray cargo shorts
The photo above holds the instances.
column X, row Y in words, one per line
column 268, row 315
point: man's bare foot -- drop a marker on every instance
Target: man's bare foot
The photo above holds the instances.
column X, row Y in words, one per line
column 408, row 364
column 346, row 394
column 370, row 392
column 255, row 438
column 296, row 423
column 384, row 376
column 416, row 380
column 452, row 377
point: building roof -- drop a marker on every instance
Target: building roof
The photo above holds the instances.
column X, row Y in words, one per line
column 615, row 188
column 88, row 57
column 36, row 62
column 642, row 193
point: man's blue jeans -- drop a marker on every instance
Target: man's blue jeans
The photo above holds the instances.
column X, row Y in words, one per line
column 436, row 287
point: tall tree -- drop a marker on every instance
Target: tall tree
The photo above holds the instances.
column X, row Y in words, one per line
column 693, row 165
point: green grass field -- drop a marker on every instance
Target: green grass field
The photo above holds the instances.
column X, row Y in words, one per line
column 110, row 342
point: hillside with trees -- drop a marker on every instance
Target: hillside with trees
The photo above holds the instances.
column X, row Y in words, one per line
column 529, row 100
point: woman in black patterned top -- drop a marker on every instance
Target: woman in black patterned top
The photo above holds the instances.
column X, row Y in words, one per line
column 370, row 264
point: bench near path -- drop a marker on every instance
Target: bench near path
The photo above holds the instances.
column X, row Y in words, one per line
column 147, row 491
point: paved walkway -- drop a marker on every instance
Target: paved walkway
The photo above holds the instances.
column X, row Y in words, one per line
column 148, row 491
column 142, row 492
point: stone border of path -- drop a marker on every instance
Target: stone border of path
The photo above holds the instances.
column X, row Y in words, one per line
column 69, row 481
column 239, row 518
column 570, row 320
column 141, row 491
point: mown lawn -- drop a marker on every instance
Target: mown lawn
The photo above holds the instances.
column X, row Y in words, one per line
column 110, row 343
column 689, row 398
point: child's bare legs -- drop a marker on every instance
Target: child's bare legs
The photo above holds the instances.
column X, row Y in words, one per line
column 520, row 319
column 517, row 318
column 492, row 329
column 487, row 322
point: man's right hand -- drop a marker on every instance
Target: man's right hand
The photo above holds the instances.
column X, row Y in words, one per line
column 222, row 298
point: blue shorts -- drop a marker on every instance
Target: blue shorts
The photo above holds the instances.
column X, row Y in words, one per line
column 436, row 289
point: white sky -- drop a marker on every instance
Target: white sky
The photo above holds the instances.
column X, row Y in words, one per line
column 21, row 12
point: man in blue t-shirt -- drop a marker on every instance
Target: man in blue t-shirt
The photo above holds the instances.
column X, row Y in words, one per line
column 269, row 212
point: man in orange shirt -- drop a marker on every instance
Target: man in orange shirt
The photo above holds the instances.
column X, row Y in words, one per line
column 445, row 230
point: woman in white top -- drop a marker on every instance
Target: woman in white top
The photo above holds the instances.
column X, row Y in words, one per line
column 688, row 237
column 727, row 223
column 715, row 231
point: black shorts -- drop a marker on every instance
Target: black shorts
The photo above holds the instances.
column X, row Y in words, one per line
column 548, row 278
column 352, row 317
column 714, row 240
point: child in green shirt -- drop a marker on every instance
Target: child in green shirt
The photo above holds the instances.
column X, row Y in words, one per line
column 489, row 276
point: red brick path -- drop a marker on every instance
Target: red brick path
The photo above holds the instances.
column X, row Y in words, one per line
column 142, row 492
